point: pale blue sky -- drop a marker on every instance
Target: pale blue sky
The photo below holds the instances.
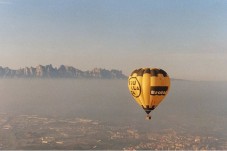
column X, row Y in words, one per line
column 185, row 38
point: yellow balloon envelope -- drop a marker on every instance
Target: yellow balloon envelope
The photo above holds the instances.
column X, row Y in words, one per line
column 149, row 86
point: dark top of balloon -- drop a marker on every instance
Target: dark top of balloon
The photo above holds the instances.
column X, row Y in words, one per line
column 152, row 72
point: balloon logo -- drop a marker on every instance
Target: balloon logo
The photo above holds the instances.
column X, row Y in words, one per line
column 149, row 86
column 135, row 87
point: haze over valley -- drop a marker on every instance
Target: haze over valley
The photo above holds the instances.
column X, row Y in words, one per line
column 101, row 114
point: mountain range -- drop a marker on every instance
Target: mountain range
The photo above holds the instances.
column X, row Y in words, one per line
column 48, row 71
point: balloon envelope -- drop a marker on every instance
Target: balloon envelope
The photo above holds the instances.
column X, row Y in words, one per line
column 149, row 86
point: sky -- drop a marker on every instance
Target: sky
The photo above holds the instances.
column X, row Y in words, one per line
column 186, row 38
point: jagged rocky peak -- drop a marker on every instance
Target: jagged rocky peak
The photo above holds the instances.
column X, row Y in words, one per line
column 48, row 71
column 62, row 67
column 49, row 67
column 96, row 70
column 107, row 74
column 40, row 71
column 29, row 72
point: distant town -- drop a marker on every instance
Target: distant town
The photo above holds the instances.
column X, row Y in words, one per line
column 48, row 71
column 35, row 132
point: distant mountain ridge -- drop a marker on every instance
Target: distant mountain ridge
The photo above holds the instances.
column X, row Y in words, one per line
column 48, row 71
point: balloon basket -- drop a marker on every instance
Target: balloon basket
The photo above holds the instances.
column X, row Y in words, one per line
column 148, row 117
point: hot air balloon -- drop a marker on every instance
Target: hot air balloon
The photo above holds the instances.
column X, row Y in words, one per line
column 149, row 86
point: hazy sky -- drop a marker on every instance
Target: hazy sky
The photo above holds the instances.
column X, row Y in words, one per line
column 187, row 38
